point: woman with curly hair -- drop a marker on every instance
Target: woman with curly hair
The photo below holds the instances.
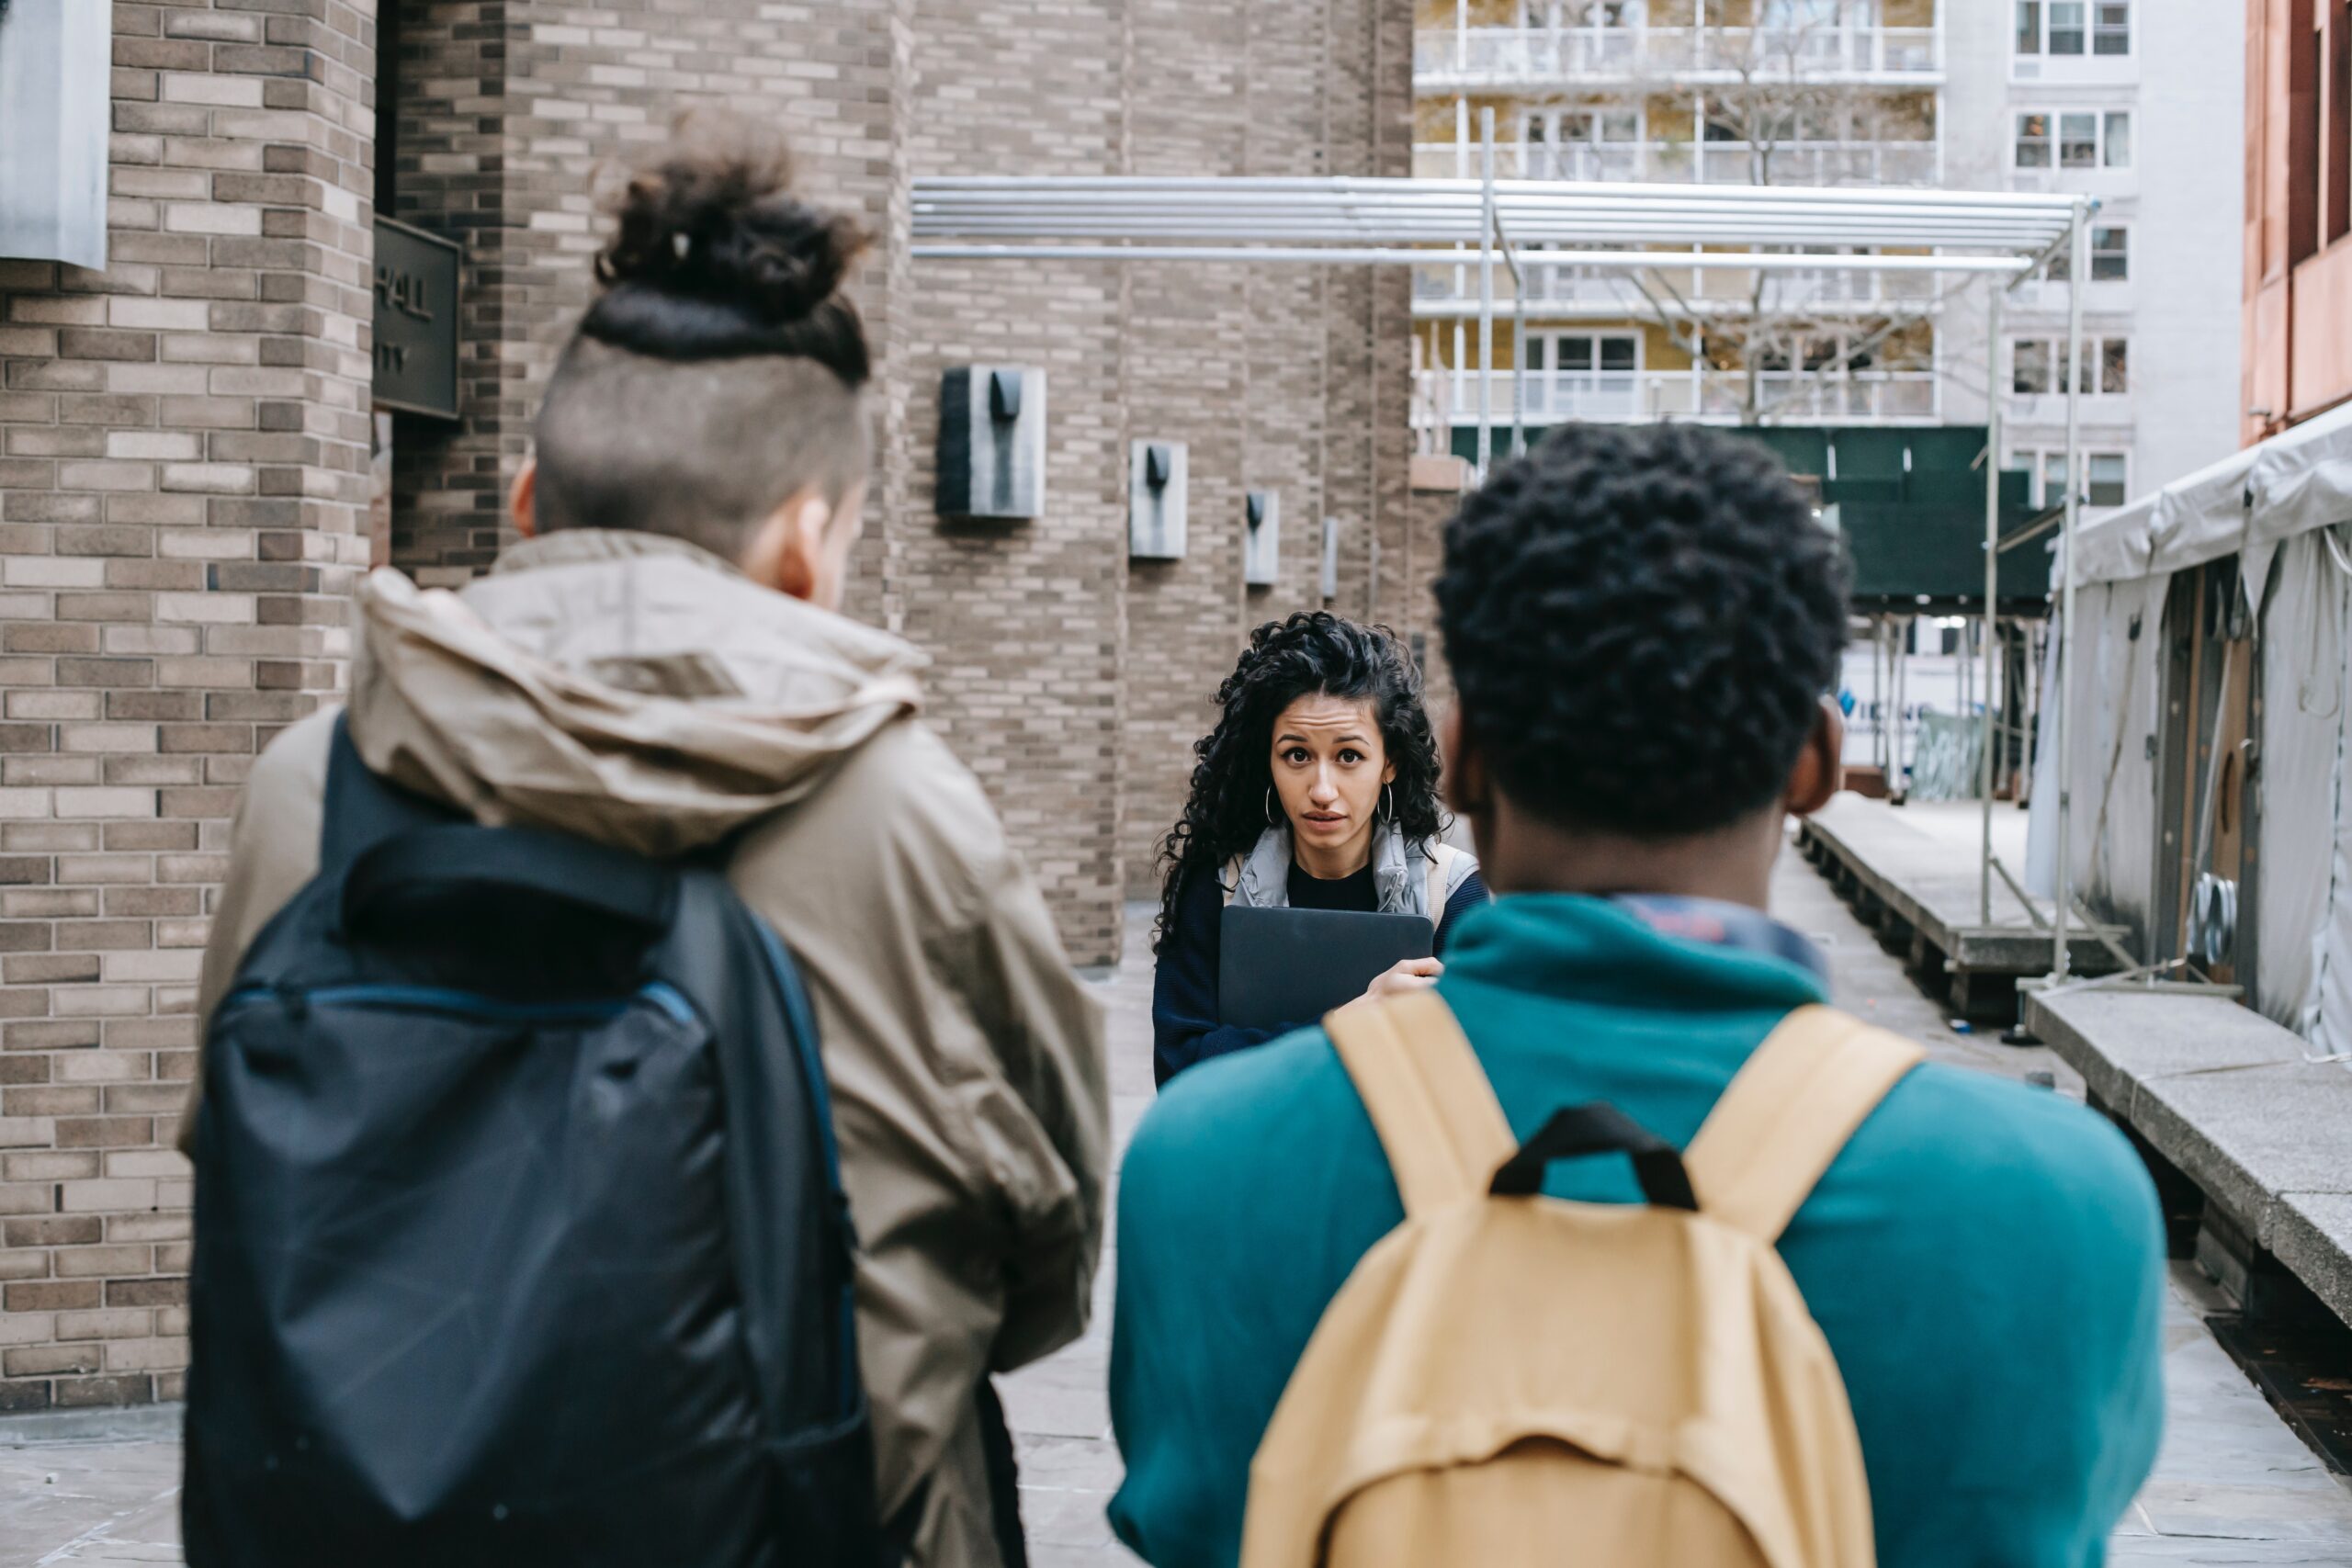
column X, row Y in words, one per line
column 1316, row 790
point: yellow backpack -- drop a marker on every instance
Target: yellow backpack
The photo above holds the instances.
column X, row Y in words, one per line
column 1507, row 1379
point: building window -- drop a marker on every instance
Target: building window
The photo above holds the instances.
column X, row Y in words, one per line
column 1579, row 144
column 2074, row 27
column 2110, row 253
column 2110, row 258
column 1584, row 355
column 2109, row 477
column 1555, row 16
column 2082, row 139
column 2111, row 27
column 2034, row 365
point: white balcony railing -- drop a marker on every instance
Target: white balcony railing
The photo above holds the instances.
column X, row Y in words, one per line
column 1715, row 397
column 1692, row 163
column 1530, row 57
column 1451, row 289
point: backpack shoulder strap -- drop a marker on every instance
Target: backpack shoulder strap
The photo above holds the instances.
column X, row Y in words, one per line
column 1442, row 858
column 1788, row 1113
column 362, row 810
column 1231, row 879
column 1438, row 1122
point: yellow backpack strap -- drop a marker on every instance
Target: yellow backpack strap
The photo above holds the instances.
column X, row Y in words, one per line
column 1442, row 858
column 1787, row 1114
column 1437, row 1116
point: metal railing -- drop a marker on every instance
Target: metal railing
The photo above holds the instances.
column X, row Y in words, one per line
column 1693, row 163
column 1844, row 291
column 1551, row 56
column 1715, row 397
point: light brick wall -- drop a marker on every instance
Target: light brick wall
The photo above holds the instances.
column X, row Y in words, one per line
column 1187, row 380
column 1027, row 621
column 181, row 441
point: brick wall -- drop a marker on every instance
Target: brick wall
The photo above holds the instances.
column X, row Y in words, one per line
column 1187, row 380
column 184, row 445
column 1026, row 620
column 181, row 441
column 510, row 117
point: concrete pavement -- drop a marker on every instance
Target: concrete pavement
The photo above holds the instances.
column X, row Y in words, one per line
column 2234, row 1485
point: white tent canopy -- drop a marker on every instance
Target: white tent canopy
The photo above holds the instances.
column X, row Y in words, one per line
column 2274, row 506
column 2249, row 503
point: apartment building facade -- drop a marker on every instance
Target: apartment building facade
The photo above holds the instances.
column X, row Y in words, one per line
column 2298, row 238
column 1683, row 92
column 2115, row 99
column 2080, row 96
column 204, row 438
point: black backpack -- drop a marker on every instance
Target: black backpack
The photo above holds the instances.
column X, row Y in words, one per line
column 519, row 1229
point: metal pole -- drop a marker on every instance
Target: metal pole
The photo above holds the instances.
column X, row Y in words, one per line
column 1992, row 578
column 2075, row 257
column 1518, row 370
column 1900, row 783
column 1486, row 291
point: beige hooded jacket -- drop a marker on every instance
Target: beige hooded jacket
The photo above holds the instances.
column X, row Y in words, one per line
column 633, row 690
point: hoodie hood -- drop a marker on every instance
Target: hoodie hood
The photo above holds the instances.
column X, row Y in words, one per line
column 628, row 688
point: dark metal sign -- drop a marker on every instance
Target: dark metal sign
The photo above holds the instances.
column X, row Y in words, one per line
column 416, row 321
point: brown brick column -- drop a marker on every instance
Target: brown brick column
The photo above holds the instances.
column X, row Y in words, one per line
column 180, row 501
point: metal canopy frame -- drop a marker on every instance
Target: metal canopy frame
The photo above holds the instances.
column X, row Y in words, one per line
column 1340, row 221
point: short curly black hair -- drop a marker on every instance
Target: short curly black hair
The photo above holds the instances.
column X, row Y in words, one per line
column 1312, row 653
column 1642, row 621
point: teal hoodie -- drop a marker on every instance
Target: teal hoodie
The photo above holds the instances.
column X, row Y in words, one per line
column 1986, row 1260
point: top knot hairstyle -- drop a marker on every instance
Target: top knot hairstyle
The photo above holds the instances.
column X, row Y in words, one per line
column 712, row 257
column 1641, row 622
column 718, row 373
column 1313, row 653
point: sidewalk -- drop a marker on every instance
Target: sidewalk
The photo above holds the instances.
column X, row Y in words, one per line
column 2234, row 1485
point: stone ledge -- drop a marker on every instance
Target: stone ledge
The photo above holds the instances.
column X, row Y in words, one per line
column 2225, row 1096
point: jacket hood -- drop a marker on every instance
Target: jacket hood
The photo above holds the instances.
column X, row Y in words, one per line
column 628, row 688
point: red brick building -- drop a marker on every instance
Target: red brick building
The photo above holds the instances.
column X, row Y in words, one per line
column 190, row 443
column 2298, row 211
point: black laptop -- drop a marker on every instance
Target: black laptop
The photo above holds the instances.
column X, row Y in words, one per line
column 1279, row 968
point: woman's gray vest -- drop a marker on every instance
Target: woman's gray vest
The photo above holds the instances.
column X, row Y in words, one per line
column 1413, row 876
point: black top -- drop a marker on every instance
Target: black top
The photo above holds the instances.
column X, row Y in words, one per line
column 1354, row 891
column 1186, row 1024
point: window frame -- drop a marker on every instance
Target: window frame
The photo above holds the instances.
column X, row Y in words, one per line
column 2034, row 23
column 2056, row 271
column 2105, row 125
column 1545, row 345
column 2046, row 470
column 2099, row 350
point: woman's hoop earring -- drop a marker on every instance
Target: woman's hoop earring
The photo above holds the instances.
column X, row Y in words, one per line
column 1271, row 820
column 1388, row 802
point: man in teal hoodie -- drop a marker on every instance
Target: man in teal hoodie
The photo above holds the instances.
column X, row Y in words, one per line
column 1643, row 625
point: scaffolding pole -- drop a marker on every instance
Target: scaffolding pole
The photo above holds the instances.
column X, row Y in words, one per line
column 1486, row 290
column 1992, row 580
column 2076, row 273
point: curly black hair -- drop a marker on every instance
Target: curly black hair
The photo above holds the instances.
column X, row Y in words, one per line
column 1642, row 621
column 1313, row 653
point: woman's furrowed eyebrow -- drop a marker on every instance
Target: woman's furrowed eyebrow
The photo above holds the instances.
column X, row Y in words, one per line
column 1350, row 739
